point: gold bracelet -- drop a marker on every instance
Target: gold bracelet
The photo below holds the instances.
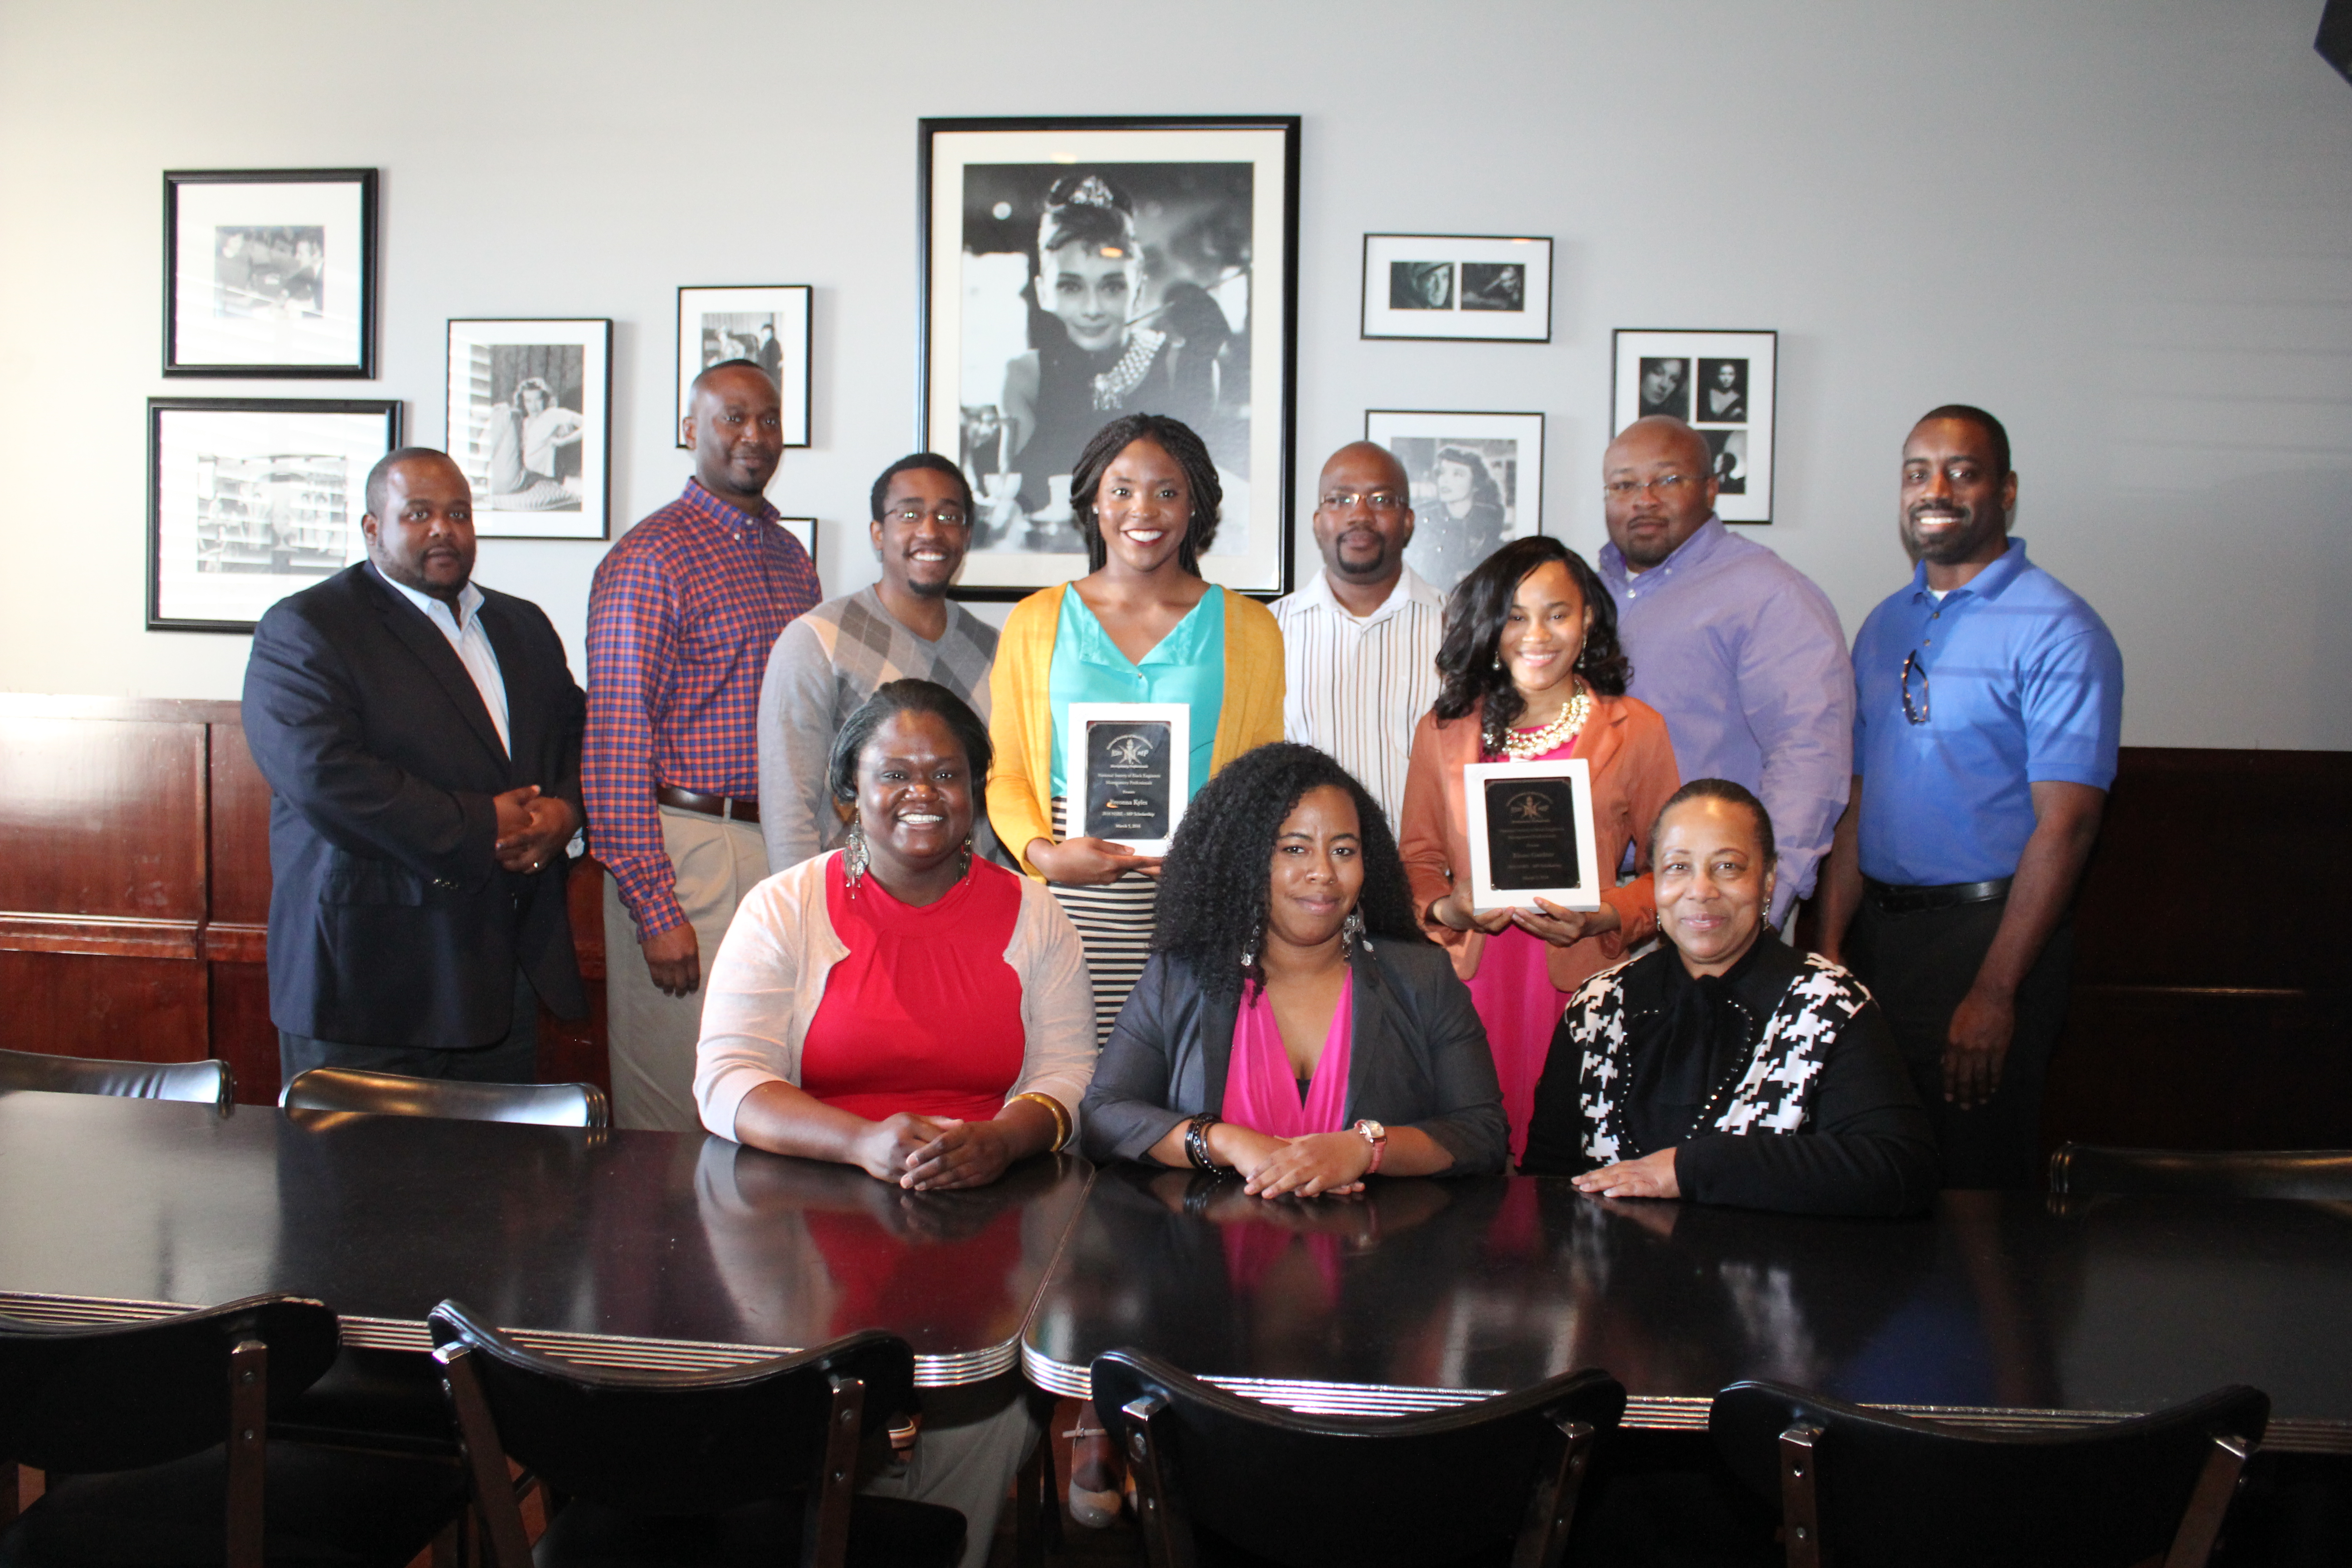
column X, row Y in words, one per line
column 1060, row 1117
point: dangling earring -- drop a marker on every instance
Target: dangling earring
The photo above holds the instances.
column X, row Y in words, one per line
column 854, row 858
column 1352, row 933
column 965, row 870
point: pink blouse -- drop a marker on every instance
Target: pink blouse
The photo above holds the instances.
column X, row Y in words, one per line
column 1262, row 1094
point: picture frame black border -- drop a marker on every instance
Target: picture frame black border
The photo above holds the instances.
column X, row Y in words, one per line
column 808, row 360
column 1364, row 304
column 785, row 522
column 389, row 407
column 1543, row 438
column 366, row 179
column 1609, row 419
column 1288, row 124
column 448, row 330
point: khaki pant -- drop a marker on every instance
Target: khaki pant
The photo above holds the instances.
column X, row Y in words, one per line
column 651, row 1036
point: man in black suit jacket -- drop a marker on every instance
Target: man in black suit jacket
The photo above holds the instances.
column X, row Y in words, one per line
column 421, row 737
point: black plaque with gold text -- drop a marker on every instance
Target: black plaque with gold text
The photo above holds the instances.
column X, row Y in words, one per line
column 1130, row 782
column 1531, row 833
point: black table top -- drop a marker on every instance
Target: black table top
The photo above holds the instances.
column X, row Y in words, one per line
column 2000, row 1307
column 633, row 1248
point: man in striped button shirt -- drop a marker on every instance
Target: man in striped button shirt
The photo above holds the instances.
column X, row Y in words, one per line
column 682, row 616
column 1359, row 641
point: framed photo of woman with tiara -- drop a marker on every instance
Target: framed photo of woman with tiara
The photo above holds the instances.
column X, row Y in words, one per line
column 1078, row 270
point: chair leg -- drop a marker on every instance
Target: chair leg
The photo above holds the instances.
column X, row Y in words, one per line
column 825, row 1530
column 248, row 1451
column 1552, row 1508
column 504, row 1543
column 2209, row 1504
column 1167, row 1532
column 1800, row 1521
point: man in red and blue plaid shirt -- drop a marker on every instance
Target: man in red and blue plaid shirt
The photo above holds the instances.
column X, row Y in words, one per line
column 683, row 614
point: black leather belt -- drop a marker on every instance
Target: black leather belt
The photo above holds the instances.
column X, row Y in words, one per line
column 727, row 808
column 1889, row 900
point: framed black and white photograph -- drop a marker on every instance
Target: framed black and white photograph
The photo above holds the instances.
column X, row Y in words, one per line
column 251, row 499
column 529, row 422
column 1477, row 483
column 1721, row 383
column 802, row 529
column 1467, row 287
column 767, row 324
column 1077, row 271
column 269, row 272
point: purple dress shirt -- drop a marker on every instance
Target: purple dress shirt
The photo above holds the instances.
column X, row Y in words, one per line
column 1746, row 658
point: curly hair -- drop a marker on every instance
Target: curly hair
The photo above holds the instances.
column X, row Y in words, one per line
column 1173, row 436
column 893, row 698
column 1213, row 885
column 1468, row 653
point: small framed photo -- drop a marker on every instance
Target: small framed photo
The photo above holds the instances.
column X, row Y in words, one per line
column 249, row 498
column 269, row 272
column 1468, row 286
column 530, row 413
column 1076, row 271
column 765, row 323
column 1721, row 384
column 1127, row 771
column 1477, row 483
column 1531, row 834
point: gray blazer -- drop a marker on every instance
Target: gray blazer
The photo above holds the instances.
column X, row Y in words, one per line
column 1419, row 1057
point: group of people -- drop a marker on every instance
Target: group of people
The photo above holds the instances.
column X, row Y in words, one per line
column 848, row 916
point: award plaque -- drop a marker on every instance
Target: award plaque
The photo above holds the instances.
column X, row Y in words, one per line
column 1531, row 834
column 1127, row 764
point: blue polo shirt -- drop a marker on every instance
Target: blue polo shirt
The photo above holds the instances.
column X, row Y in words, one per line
column 2025, row 684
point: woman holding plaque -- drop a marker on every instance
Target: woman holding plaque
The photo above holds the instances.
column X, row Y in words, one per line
column 1724, row 1066
column 1295, row 1027
column 1531, row 672
column 1141, row 627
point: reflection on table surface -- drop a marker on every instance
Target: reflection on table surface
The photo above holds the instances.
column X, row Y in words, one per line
column 609, row 1236
column 1424, row 1291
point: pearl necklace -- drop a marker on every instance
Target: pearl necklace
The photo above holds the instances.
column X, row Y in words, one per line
column 1521, row 746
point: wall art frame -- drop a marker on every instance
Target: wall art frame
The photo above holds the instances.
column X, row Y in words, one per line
column 269, row 272
column 1725, row 385
column 529, row 421
column 1477, row 480
column 1463, row 288
column 768, row 323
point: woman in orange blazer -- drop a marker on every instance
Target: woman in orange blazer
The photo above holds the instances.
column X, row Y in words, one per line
column 1532, row 671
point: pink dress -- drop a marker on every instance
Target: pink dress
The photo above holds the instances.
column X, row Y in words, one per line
column 1260, row 1092
column 1519, row 1006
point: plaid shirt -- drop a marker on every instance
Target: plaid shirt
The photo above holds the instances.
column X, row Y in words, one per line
column 680, row 621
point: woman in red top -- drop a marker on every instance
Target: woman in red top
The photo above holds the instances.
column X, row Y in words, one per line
column 1532, row 671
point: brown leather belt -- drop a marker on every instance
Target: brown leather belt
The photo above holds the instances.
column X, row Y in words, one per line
column 725, row 807
column 1890, row 899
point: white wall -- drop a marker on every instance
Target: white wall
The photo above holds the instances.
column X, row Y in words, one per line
column 2126, row 226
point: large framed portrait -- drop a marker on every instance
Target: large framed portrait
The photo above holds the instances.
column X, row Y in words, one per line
column 1469, row 288
column 530, row 414
column 269, row 272
column 250, row 498
column 1477, row 483
column 1721, row 384
column 1078, row 270
column 765, row 323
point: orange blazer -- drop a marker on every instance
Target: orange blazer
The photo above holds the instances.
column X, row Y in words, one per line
column 1633, row 773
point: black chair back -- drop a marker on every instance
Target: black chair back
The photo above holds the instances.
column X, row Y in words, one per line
column 1869, row 1488
column 207, row 1082
column 674, row 1442
column 81, row 1400
column 2085, row 1170
column 390, row 1094
column 1370, row 1492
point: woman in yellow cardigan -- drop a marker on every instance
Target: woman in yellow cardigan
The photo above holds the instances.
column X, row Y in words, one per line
column 1141, row 626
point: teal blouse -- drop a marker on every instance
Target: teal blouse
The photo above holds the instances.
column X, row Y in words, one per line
column 1188, row 667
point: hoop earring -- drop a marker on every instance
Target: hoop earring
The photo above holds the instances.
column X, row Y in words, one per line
column 1351, row 934
column 854, row 860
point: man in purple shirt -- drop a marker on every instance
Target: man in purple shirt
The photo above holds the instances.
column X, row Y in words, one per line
column 1738, row 649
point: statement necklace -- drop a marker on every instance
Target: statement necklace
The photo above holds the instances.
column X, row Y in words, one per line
column 1520, row 745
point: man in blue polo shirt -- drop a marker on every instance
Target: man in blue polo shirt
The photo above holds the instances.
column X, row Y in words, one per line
column 1988, row 703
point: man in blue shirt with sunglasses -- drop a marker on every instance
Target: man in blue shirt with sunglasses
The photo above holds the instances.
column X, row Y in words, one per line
column 1989, row 707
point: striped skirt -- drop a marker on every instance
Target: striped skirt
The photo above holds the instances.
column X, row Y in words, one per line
column 1115, row 924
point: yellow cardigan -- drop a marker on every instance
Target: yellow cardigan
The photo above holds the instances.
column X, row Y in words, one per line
column 1021, row 723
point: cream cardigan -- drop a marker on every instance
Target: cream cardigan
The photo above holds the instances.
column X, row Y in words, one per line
column 764, row 987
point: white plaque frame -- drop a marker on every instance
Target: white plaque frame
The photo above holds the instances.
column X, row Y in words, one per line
column 1586, row 894
column 1177, row 716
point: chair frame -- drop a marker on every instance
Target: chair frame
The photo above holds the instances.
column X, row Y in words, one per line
column 45, row 1073
column 2092, row 1170
column 355, row 1089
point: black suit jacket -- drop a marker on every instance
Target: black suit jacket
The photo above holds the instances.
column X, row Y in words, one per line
column 1417, row 1057
column 391, row 922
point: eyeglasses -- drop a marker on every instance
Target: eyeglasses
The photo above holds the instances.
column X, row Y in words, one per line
column 1917, row 714
column 945, row 516
column 1665, row 487
column 1382, row 501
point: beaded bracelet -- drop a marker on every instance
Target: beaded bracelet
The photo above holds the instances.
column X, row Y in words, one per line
column 1196, row 1142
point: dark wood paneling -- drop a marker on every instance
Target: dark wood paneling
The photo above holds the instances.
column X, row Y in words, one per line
column 241, row 1032
column 101, row 820
column 240, row 833
column 84, row 1005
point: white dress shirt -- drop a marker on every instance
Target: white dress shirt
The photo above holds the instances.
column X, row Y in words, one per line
column 463, row 627
column 1358, row 685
